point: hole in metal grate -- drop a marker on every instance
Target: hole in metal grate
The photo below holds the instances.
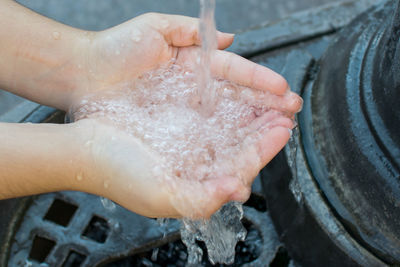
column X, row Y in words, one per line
column 60, row 212
column 74, row 259
column 97, row 229
column 41, row 248
column 281, row 259
column 257, row 202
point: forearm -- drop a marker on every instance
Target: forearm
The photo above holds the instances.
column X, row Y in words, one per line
column 39, row 158
column 40, row 59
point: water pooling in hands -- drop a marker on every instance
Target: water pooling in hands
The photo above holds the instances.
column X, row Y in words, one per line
column 206, row 131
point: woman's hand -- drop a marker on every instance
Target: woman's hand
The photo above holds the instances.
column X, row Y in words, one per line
column 56, row 65
column 121, row 168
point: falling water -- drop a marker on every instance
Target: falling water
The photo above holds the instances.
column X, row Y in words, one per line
column 220, row 234
column 208, row 35
column 224, row 229
column 195, row 143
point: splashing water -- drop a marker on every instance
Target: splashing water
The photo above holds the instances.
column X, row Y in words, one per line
column 107, row 204
column 198, row 129
column 224, row 229
column 220, row 234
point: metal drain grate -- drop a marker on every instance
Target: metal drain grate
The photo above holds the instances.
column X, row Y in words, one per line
column 87, row 234
column 74, row 259
column 74, row 229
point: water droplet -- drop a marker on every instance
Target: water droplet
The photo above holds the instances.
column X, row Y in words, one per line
column 89, row 143
column 136, row 35
column 115, row 225
column 56, row 35
column 107, row 204
column 154, row 254
column 79, row 177
column 106, row 184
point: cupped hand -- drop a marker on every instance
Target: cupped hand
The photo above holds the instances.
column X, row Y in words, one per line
column 122, row 169
column 123, row 165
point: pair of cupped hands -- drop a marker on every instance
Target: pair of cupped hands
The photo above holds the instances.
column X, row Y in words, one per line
column 118, row 166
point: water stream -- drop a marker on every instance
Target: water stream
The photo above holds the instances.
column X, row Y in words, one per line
column 224, row 229
column 208, row 35
column 197, row 129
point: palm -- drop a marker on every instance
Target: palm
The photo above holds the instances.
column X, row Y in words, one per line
column 122, row 54
column 125, row 166
column 128, row 160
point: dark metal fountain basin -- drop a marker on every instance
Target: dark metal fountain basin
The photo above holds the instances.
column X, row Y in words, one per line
column 340, row 199
column 316, row 224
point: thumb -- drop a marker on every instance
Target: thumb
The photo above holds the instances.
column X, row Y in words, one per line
column 181, row 31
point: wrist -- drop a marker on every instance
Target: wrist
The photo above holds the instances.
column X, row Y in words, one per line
column 38, row 158
column 82, row 174
column 44, row 62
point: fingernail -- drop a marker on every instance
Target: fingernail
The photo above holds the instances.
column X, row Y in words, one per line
column 301, row 104
column 227, row 33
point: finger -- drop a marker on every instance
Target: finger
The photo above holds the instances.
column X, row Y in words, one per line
column 183, row 31
column 235, row 68
column 270, row 119
column 260, row 148
column 224, row 39
column 290, row 102
column 221, row 191
column 271, row 143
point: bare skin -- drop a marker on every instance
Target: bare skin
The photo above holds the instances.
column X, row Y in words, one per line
column 56, row 65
